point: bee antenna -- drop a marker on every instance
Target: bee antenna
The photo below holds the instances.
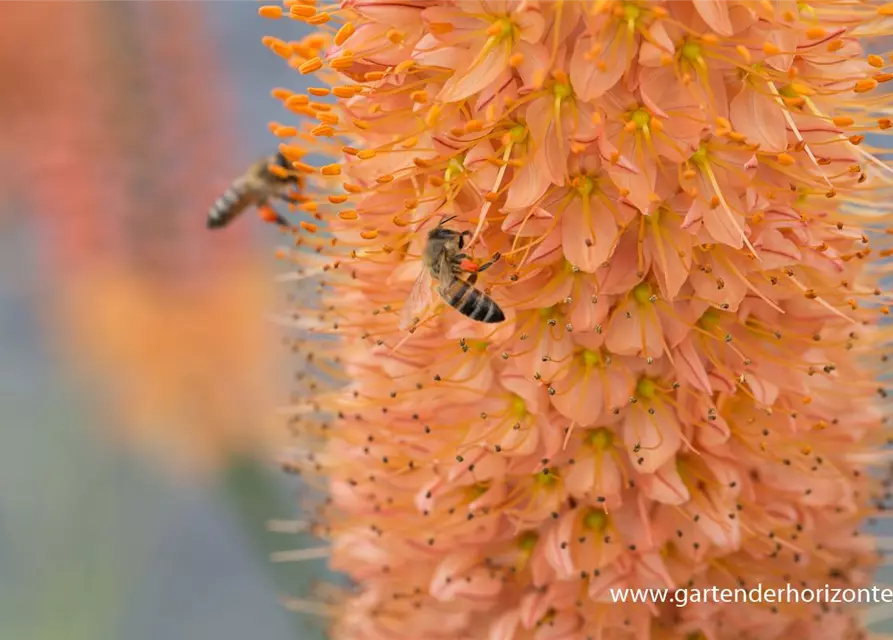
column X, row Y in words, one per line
column 443, row 221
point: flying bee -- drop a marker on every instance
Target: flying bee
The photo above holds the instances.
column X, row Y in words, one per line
column 443, row 260
column 254, row 188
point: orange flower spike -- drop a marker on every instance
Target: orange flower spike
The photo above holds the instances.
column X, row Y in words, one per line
column 682, row 330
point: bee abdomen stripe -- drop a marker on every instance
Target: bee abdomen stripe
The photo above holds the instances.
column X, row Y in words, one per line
column 475, row 306
column 494, row 313
column 473, row 303
column 225, row 204
column 457, row 292
column 226, row 198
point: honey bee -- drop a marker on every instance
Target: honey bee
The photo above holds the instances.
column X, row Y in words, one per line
column 255, row 187
column 444, row 261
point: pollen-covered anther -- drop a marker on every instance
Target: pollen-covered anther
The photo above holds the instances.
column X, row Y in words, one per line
column 395, row 36
column 785, row 159
column 280, row 93
column 278, row 47
column 301, row 11
column 285, row 132
column 270, row 11
column 865, row 85
column 345, row 92
column 297, row 100
column 310, row 66
column 346, row 30
column 319, row 18
column 303, row 167
column 323, row 131
column 342, row 62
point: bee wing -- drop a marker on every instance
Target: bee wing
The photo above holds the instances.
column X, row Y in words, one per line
column 446, row 276
column 419, row 299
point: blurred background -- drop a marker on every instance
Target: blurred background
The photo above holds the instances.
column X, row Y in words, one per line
column 138, row 376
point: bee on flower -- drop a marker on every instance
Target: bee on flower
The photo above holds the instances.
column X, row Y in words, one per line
column 682, row 387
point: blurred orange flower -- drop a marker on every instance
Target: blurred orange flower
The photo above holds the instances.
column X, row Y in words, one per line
column 118, row 149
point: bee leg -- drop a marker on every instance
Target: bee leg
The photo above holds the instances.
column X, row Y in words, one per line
column 489, row 262
column 462, row 238
column 269, row 214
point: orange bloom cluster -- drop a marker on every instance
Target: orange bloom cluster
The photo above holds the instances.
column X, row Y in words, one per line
column 684, row 391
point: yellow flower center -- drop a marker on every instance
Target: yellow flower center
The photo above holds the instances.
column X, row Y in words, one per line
column 502, row 29
column 455, row 167
column 641, row 118
column 645, row 388
column 806, row 8
column 518, row 133
column 562, row 91
column 591, row 358
column 641, row 293
column 692, row 51
column 595, row 520
column 631, row 13
column 709, row 320
column 546, row 478
column 518, row 407
column 600, row 439
column 584, row 185
column 527, row 541
column 475, row 491
column 699, row 157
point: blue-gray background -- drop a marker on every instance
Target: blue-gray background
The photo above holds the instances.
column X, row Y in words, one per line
column 98, row 542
